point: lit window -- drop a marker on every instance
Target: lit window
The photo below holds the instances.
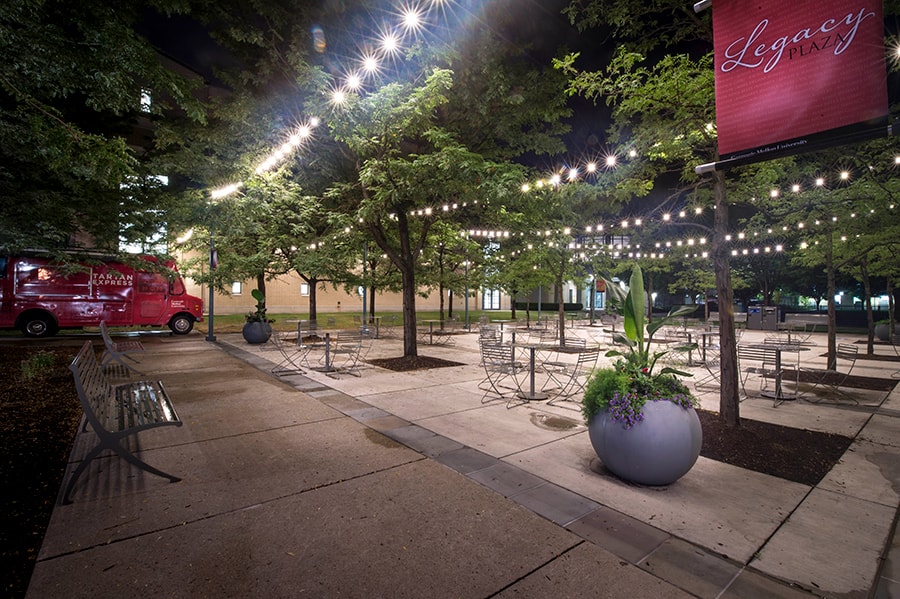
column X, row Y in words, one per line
column 236, row 288
column 146, row 101
column 304, row 289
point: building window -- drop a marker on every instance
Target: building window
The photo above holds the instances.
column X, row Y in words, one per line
column 304, row 289
column 236, row 288
column 490, row 299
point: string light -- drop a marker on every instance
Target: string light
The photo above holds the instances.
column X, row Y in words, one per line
column 412, row 21
column 225, row 191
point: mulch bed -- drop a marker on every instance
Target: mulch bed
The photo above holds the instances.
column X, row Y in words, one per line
column 409, row 363
column 790, row 453
column 876, row 357
column 38, row 420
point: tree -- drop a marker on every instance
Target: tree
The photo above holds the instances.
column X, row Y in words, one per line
column 444, row 261
column 840, row 225
column 71, row 82
column 397, row 143
column 662, row 111
column 666, row 111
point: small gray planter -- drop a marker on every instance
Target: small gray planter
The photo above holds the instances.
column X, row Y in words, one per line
column 656, row 451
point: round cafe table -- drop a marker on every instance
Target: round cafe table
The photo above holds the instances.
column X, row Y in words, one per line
column 779, row 394
column 531, row 394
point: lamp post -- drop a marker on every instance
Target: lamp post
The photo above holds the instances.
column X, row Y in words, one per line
column 467, row 288
column 215, row 194
column 210, row 335
column 364, row 285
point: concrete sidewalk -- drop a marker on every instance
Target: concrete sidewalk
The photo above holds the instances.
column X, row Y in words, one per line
column 406, row 485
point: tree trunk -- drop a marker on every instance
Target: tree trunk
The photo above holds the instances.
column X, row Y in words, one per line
column 261, row 285
column 313, row 310
column 372, row 304
column 558, row 296
column 831, row 362
column 410, row 349
column 729, row 398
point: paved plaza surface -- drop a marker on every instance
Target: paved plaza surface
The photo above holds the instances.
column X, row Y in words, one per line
column 407, row 485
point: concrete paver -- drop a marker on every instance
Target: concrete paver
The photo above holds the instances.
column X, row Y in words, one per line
column 837, row 536
column 405, row 485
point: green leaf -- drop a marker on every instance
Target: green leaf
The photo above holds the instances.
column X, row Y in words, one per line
column 668, row 370
column 634, row 308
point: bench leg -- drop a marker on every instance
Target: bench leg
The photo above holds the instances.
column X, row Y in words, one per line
column 113, row 445
column 136, row 461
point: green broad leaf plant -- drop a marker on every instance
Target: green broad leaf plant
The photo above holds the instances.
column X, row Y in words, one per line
column 630, row 382
column 259, row 314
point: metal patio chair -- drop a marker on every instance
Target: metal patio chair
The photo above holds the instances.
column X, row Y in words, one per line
column 578, row 374
column 292, row 355
column 830, row 381
column 500, row 366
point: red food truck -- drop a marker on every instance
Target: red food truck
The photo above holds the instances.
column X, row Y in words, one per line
column 39, row 295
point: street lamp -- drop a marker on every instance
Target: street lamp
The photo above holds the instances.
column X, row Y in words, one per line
column 213, row 257
column 467, row 288
column 213, row 264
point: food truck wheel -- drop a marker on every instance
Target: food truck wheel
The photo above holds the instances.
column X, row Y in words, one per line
column 181, row 324
column 37, row 324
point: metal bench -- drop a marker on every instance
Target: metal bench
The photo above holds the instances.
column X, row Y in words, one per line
column 116, row 412
column 116, row 351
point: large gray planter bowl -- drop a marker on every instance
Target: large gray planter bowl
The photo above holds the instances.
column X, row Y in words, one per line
column 656, row 451
column 883, row 331
column 256, row 332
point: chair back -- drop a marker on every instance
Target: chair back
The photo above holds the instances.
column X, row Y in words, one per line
column 588, row 357
column 488, row 332
column 765, row 356
column 848, row 353
column 576, row 342
column 494, row 354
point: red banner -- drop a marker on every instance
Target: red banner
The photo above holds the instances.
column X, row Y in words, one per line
column 787, row 70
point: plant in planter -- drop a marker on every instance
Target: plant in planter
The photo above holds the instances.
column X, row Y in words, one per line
column 257, row 327
column 642, row 424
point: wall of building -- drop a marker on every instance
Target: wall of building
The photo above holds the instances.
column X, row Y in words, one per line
column 284, row 295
